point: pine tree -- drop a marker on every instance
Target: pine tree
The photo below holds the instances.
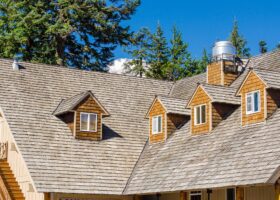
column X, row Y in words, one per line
column 158, row 55
column 205, row 60
column 73, row 33
column 139, row 51
column 262, row 46
column 239, row 42
column 180, row 58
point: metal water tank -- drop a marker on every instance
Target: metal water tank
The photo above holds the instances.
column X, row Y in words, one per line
column 223, row 50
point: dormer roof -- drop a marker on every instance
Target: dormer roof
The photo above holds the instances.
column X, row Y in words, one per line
column 218, row 94
column 171, row 105
column 69, row 104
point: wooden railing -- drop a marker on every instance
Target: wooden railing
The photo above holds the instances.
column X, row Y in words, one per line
column 3, row 150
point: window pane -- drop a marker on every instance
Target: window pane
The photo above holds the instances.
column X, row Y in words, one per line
column 195, row 197
column 84, row 122
column 203, row 114
column 159, row 124
column 197, row 113
column 256, row 101
column 92, row 122
column 154, row 125
column 230, row 194
column 249, row 103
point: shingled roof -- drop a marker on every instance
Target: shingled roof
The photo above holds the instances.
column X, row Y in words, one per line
column 58, row 162
column 69, row 104
column 219, row 94
column 172, row 105
column 123, row 162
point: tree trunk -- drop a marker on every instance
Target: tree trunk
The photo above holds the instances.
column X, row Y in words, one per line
column 60, row 44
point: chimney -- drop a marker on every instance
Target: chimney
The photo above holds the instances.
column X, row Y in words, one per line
column 15, row 65
column 225, row 66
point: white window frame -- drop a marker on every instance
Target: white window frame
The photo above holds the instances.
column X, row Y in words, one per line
column 157, row 132
column 234, row 192
column 88, row 123
column 195, row 122
column 252, row 111
column 195, row 193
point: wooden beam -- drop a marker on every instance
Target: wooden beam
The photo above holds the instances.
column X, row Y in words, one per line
column 277, row 191
column 4, row 193
column 240, row 193
column 183, row 195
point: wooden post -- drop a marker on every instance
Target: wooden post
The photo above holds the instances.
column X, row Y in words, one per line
column 240, row 193
column 183, row 195
column 277, row 191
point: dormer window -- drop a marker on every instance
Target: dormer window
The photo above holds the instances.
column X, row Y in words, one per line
column 200, row 114
column 157, row 124
column 88, row 122
column 252, row 102
column 84, row 114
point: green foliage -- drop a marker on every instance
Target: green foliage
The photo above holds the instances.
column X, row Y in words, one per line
column 158, row 54
column 239, row 42
column 262, row 46
column 65, row 32
column 139, row 52
column 180, row 59
column 153, row 57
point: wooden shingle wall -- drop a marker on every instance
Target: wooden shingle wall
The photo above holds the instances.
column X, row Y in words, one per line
column 89, row 106
column 200, row 98
column 214, row 73
column 228, row 77
column 174, row 122
column 253, row 83
column 156, row 110
column 273, row 101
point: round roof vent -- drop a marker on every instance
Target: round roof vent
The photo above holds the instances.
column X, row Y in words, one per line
column 223, row 50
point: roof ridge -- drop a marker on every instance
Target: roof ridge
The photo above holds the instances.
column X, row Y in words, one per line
column 89, row 71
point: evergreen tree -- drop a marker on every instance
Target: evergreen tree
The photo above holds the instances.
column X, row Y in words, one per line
column 205, row 60
column 262, row 46
column 239, row 42
column 65, row 32
column 180, row 58
column 139, row 52
column 158, row 55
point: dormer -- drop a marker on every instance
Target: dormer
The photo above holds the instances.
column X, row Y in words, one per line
column 209, row 105
column 225, row 66
column 166, row 114
column 83, row 114
column 260, row 95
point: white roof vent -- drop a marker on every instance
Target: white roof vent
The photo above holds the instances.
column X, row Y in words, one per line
column 223, row 50
column 15, row 65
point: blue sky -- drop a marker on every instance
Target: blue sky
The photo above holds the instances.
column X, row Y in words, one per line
column 203, row 22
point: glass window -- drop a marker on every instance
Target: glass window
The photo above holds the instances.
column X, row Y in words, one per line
column 156, row 124
column 196, row 195
column 200, row 114
column 230, row 194
column 88, row 122
column 252, row 102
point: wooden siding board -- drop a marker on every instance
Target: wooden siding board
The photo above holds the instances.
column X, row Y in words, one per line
column 214, row 75
column 253, row 83
column 157, row 109
column 200, row 98
column 89, row 105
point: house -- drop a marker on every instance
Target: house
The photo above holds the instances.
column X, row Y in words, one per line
column 68, row 134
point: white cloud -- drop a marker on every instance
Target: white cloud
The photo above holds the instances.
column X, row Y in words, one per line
column 117, row 67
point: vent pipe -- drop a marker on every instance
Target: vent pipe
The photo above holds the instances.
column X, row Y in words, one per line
column 15, row 65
